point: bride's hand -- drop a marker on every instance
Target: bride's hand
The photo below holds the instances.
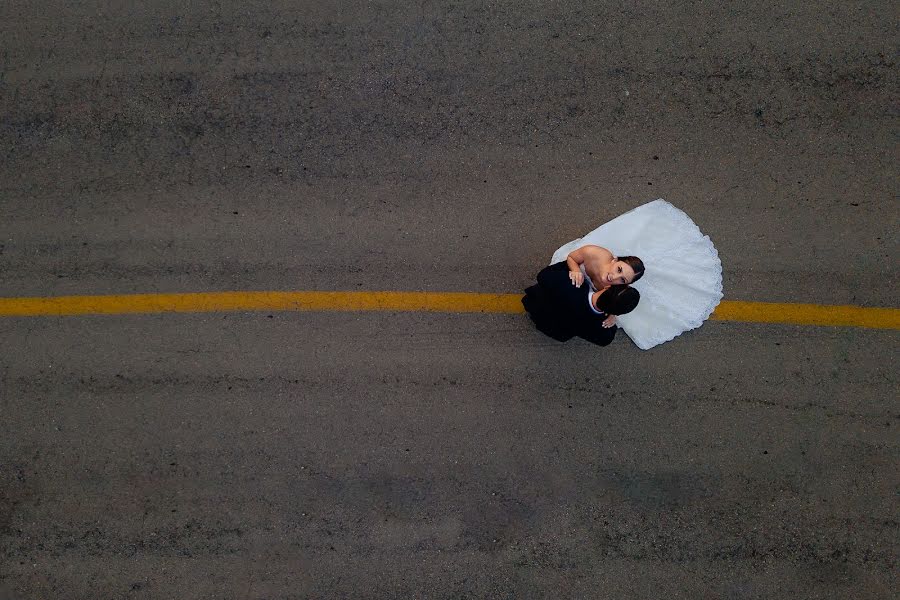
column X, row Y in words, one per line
column 577, row 278
column 609, row 321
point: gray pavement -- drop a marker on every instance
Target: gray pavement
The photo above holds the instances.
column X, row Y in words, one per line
column 441, row 146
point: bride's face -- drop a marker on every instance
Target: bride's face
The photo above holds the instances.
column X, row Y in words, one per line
column 619, row 273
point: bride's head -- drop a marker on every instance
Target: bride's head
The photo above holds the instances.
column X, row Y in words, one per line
column 623, row 270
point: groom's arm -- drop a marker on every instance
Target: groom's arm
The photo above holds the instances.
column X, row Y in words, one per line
column 554, row 275
column 564, row 296
column 595, row 333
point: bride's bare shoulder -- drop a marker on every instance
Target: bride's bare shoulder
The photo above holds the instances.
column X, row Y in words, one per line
column 597, row 251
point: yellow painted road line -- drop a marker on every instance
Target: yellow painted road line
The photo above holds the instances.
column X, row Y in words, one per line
column 454, row 302
column 808, row 314
column 262, row 301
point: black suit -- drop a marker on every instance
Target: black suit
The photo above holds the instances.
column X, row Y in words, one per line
column 561, row 310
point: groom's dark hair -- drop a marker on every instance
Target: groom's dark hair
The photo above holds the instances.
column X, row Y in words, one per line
column 636, row 264
column 618, row 299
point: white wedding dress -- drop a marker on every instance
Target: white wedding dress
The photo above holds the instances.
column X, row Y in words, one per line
column 682, row 283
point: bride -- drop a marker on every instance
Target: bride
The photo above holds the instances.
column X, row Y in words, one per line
column 680, row 285
column 601, row 268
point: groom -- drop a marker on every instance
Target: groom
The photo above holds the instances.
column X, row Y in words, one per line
column 562, row 311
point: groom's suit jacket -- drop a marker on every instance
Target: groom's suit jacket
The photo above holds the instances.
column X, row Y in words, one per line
column 561, row 310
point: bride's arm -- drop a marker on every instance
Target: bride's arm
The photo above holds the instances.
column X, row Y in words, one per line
column 573, row 261
column 577, row 257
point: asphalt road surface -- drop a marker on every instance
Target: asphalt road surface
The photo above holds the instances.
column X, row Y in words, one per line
column 182, row 147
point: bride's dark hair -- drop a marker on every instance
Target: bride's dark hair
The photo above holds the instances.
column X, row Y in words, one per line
column 618, row 299
column 636, row 264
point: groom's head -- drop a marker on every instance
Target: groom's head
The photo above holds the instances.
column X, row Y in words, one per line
column 618, row 300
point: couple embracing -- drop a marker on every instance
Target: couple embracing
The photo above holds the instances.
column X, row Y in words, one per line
column 559, row 306
column 597, row 284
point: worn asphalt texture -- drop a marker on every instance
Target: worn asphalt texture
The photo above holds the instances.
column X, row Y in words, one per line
column 453, row 146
